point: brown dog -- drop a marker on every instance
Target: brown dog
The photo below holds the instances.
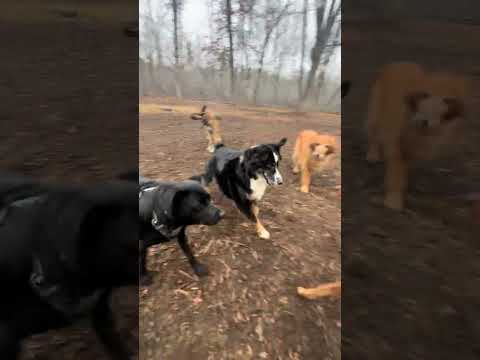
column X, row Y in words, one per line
column 331, row 289
column 412, row 115
column 211, row 123
column 313, row 153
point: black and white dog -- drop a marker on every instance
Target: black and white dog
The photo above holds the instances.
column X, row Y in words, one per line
column 243, row 176
column 63, row 250
column 165, row 211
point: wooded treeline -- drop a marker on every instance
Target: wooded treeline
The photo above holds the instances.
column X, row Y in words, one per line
column 282, row 52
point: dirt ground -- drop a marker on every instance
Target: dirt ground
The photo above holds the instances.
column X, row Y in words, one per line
column 247, row 308
column 411, row 280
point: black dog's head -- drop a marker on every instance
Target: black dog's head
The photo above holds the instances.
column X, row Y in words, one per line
column 192, row 205
column 195, row 208
column 263, row 160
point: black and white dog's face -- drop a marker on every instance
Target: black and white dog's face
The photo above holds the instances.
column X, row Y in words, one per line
column 263, row 160
column 195, row 208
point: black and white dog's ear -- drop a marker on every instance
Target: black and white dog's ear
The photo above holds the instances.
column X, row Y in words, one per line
column 282, row 142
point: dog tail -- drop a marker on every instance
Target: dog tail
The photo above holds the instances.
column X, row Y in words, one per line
column 206, row 178
column 199, row 115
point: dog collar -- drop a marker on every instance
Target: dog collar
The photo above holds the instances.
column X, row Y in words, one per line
column 58, row 296
column 164, row 229
column 151, row 188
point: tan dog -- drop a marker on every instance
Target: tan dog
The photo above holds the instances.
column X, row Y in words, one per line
column 331, row 289
column 211, row 123
column 313, row 153
column 412, row 115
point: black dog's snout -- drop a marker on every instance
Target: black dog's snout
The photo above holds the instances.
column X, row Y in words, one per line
column 424, row 124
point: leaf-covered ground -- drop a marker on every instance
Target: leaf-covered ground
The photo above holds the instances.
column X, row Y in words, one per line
column 247, row 308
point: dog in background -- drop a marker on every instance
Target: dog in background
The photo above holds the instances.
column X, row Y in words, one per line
column 211, row 124
column 412, row 115
column 334, row 288
column 244, row 176
column 313, row 152
column 331, row 289
column 165, row 211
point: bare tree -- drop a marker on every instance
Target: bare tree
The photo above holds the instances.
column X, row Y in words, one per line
column 272, row 19
column 304, row 42
column 247, row 50
column 324, row 30
column 230, row 45
column 176, row 8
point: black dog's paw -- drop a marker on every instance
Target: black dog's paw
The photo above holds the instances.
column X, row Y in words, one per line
column 200, row 269
column 146, row 280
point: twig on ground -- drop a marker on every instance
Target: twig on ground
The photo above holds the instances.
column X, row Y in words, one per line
column 187, row 275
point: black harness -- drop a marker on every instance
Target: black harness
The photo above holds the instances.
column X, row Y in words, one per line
column 162, row 195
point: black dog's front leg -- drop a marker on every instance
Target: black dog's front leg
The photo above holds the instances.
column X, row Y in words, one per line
column 198, row 268
column 145, row 276
column 104, row 325
column 148, row 238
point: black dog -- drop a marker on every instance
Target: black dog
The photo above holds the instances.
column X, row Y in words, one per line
column 62, row 252
column 243, row 176
column 165, row 211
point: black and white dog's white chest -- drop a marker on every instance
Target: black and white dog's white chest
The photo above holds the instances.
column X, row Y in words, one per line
column 258, row 187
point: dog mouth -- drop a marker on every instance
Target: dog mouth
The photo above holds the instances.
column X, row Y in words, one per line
column 273, row 180
column 268, row 180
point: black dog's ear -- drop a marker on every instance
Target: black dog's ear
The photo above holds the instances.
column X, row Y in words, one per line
column 282, row 142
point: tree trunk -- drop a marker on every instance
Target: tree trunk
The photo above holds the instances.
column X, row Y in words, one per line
column 304, row 40
column 269, row 28
column 323, row 32
column 175, row 32
column 177, row 80
column 230, row 44
column 259, row 76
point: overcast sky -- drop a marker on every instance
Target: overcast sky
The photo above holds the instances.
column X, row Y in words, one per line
column 195, row 27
